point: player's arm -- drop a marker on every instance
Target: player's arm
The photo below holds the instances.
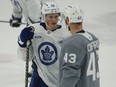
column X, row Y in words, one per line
column 34, row 11
column 17, row 9
column 25, row 36
column 70, row 68
column 22, row 53
column 16, row 17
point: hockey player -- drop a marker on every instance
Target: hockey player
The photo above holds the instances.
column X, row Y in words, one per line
column 29, row 9
column 79, row 53
column 45, row 46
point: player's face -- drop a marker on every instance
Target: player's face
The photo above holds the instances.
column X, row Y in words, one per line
column 52, row 20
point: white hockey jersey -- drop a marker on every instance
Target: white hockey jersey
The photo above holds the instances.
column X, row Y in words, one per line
column 30, row 9
column 45, row 50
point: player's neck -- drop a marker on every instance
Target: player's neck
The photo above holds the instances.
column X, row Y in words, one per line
column 76, row 28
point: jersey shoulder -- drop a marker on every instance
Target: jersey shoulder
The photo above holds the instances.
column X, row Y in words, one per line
column 38, row 27
column 79, row 39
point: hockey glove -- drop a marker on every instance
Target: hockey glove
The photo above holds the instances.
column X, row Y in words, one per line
column 25, row 35
column 15, row 22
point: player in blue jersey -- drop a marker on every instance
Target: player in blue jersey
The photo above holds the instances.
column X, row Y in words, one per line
column 45, row 47
column 79, row 53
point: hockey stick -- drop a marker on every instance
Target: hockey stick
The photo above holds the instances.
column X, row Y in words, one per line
column 27, row 60
column 27, row 64
column 2, row 21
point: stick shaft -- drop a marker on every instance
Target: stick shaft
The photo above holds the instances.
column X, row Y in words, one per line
column 27, row 63
column 27, row 66
column 2, row 21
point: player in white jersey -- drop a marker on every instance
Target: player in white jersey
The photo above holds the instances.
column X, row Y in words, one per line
column 79, row 53
column 45, row 47
column 29, row 9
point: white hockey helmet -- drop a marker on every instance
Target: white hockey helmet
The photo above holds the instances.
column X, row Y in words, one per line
column 74, row 13
column 50, row 7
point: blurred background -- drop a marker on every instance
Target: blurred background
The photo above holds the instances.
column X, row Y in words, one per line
column 99, row 18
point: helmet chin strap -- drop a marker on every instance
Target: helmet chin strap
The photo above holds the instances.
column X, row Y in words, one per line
column 69, row 28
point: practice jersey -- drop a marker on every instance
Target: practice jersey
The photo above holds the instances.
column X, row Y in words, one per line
column 46, row 46
column 79, row 61
column 30, row 9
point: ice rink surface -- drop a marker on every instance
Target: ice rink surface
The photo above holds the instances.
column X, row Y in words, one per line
column 100, row 19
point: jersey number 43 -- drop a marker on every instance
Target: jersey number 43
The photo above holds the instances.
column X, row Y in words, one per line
column 70, row 58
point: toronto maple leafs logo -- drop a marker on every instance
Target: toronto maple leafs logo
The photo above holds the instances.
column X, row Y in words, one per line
column 47, row 53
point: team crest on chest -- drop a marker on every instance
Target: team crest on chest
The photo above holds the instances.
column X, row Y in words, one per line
column 47, row 53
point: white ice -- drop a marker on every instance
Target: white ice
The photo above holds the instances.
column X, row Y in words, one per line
column 100, row 19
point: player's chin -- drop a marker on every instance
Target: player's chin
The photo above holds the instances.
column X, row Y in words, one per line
column 54, row 25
